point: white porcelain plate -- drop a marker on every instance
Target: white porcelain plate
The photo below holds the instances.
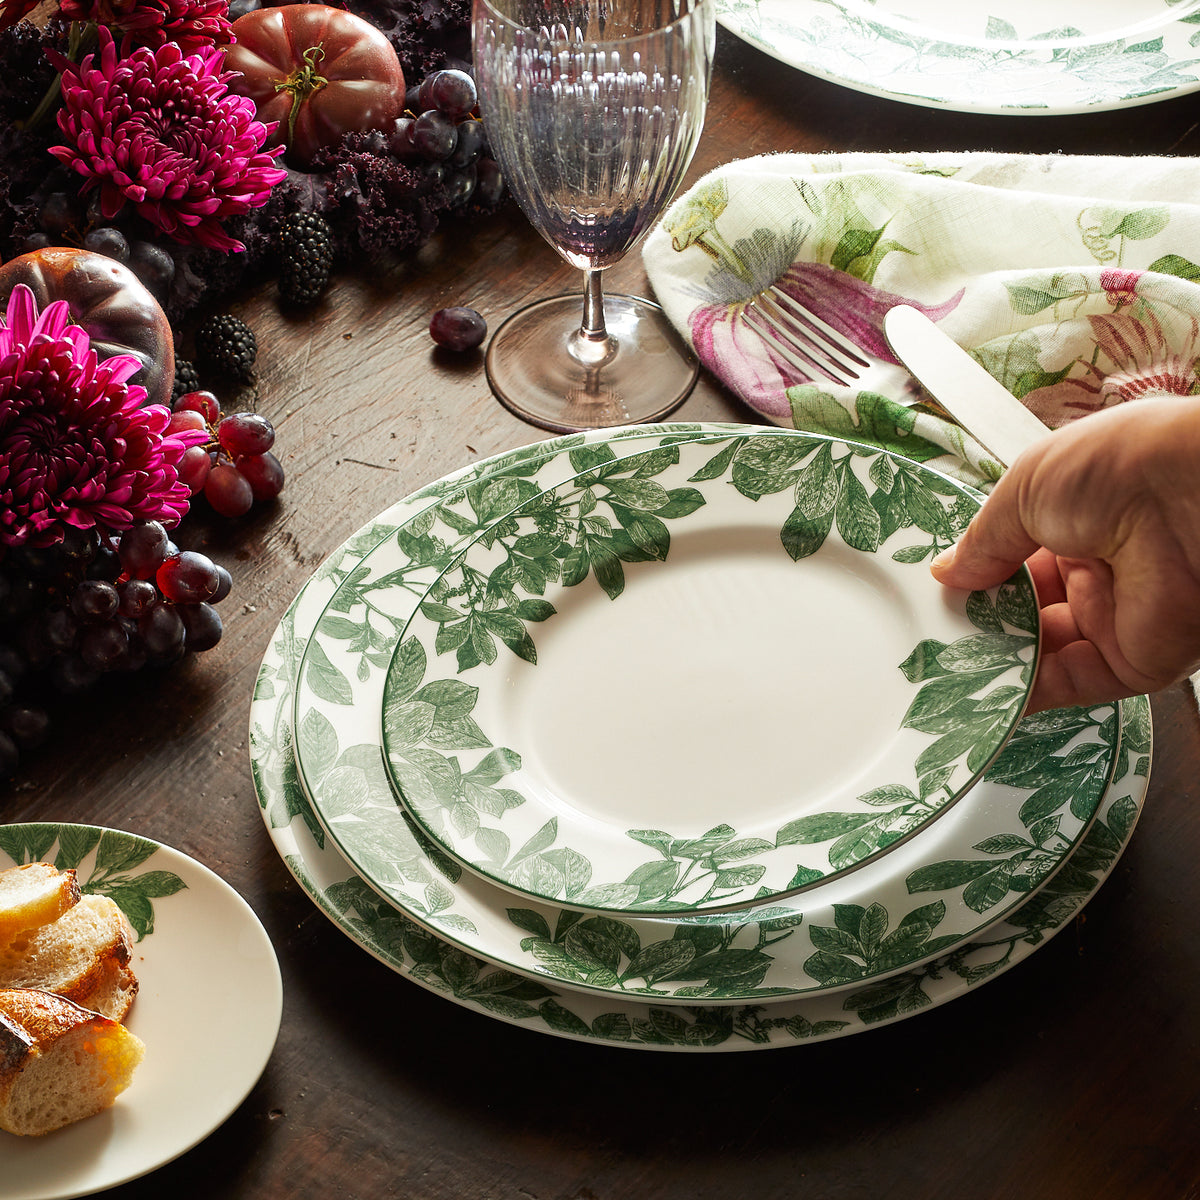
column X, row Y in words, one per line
column 935, row 891
column 208, row 1010
column 1020, row 57
column 437, row 960
column 717, row 680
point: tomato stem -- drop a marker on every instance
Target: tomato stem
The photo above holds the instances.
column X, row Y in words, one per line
column 302, row 83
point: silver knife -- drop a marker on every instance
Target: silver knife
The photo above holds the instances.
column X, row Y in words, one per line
column 988, row 411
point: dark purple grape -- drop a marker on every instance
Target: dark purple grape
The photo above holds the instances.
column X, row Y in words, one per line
column 102, row 646
column 452, row 92
column 202, row 625
column 12, row 663
column 60, row 629
column 108, row 241
column 188, row 578
column 470, row 143
column 264, row 473
column 153, row 265
column 460, row 184
column 18, row 597
column 80, row 545
column 27, row 725
column 489, row 183
column 95, row 600
column 106, row 564
column 162, row 633
column 137, row 595
column 412, row 98
column 37, row 240
column 8, row 687
column 435, row 135
column 143, row 548
column 228, row 491
column 400, row 141
column 245, row 433
column 457, row 328
column 224, row 587
column 71, row 675
column 58, row 213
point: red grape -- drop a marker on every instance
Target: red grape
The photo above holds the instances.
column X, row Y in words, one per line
column 186, row 418
column 245, row 433
column 457, row 328
column 228, row 491
column 264, row 473
column 188, row 578
column 194, row 466
column 205, row 403
column 143, row 548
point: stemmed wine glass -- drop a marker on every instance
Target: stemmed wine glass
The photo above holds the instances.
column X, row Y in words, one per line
column 593, row 110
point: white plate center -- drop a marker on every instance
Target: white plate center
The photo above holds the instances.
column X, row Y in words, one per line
column 729, row 685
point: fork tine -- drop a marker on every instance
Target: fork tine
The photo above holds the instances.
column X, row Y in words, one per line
column 834, row 341
column 787, row 344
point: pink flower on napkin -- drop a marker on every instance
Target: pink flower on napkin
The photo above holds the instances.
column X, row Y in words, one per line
column 746, row 362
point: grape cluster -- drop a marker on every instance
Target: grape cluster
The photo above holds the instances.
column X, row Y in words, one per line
column 91, row 605
column 441, row 127
column 235, row 467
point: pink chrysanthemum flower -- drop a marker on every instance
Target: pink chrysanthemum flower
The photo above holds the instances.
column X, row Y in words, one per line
column 161, row 131
column 192, row 24
column 76, row 448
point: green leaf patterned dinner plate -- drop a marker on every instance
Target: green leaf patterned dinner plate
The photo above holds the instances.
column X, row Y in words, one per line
column 1021, row 57
column 431, row 945
column 208, row 1009
column 728, row 680
column 966, row 872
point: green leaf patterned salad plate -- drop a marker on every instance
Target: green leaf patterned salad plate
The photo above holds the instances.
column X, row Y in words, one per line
column 733, row 680
column 966, row 872
column 208, row 1009
column 426, row 941
column 1021, row 57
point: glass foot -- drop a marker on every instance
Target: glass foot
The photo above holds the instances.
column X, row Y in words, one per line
column 648, row 370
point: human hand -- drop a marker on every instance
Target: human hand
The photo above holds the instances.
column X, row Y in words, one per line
column 1106, row 512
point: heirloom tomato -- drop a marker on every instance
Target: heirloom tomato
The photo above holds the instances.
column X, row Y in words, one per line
column 108, row 301
column 319, row 72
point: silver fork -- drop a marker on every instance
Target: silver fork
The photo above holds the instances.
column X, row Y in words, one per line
column 817, row 350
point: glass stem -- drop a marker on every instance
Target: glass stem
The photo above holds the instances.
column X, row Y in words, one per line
column 591, row 345
column 593, row 306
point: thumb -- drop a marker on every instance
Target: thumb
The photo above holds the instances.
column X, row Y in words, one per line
column 994, row 545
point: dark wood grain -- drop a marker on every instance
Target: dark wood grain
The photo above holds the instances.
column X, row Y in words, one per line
column 1076, row 1075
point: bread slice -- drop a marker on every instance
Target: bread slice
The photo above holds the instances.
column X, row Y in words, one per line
column 59, row 1063
column 70, row 956
column 114, row 992
column 34, row 894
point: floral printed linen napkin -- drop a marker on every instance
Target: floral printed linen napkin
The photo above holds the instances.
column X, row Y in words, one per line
column 1074, row 280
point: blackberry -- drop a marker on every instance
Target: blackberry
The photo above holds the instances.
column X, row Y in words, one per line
column 226, row 345
column 187, row 379
column 305, row 257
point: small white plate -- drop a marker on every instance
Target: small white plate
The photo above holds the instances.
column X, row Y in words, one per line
column 1020, row 57
column 208, row 1010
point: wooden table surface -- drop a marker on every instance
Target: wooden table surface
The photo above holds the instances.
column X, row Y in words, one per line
column 1076, row 1074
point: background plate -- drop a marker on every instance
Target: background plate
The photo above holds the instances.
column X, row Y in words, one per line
column 1022, row 57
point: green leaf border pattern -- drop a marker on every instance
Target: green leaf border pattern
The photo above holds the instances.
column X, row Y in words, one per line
column 588, row 527
column 112, row 859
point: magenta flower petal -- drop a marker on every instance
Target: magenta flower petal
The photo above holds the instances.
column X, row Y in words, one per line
column 162, row 133
column 77, row 450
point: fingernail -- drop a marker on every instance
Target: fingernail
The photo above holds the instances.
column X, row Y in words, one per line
column 943, row 558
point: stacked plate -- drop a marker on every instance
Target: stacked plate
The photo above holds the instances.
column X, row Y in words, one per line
column 665, row 737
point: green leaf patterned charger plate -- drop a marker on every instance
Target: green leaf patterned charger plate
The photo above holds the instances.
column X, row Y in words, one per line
column 208, row 1009
column 1022, row 57
column 729, row 681
column 966, row 872
column 439, row 962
